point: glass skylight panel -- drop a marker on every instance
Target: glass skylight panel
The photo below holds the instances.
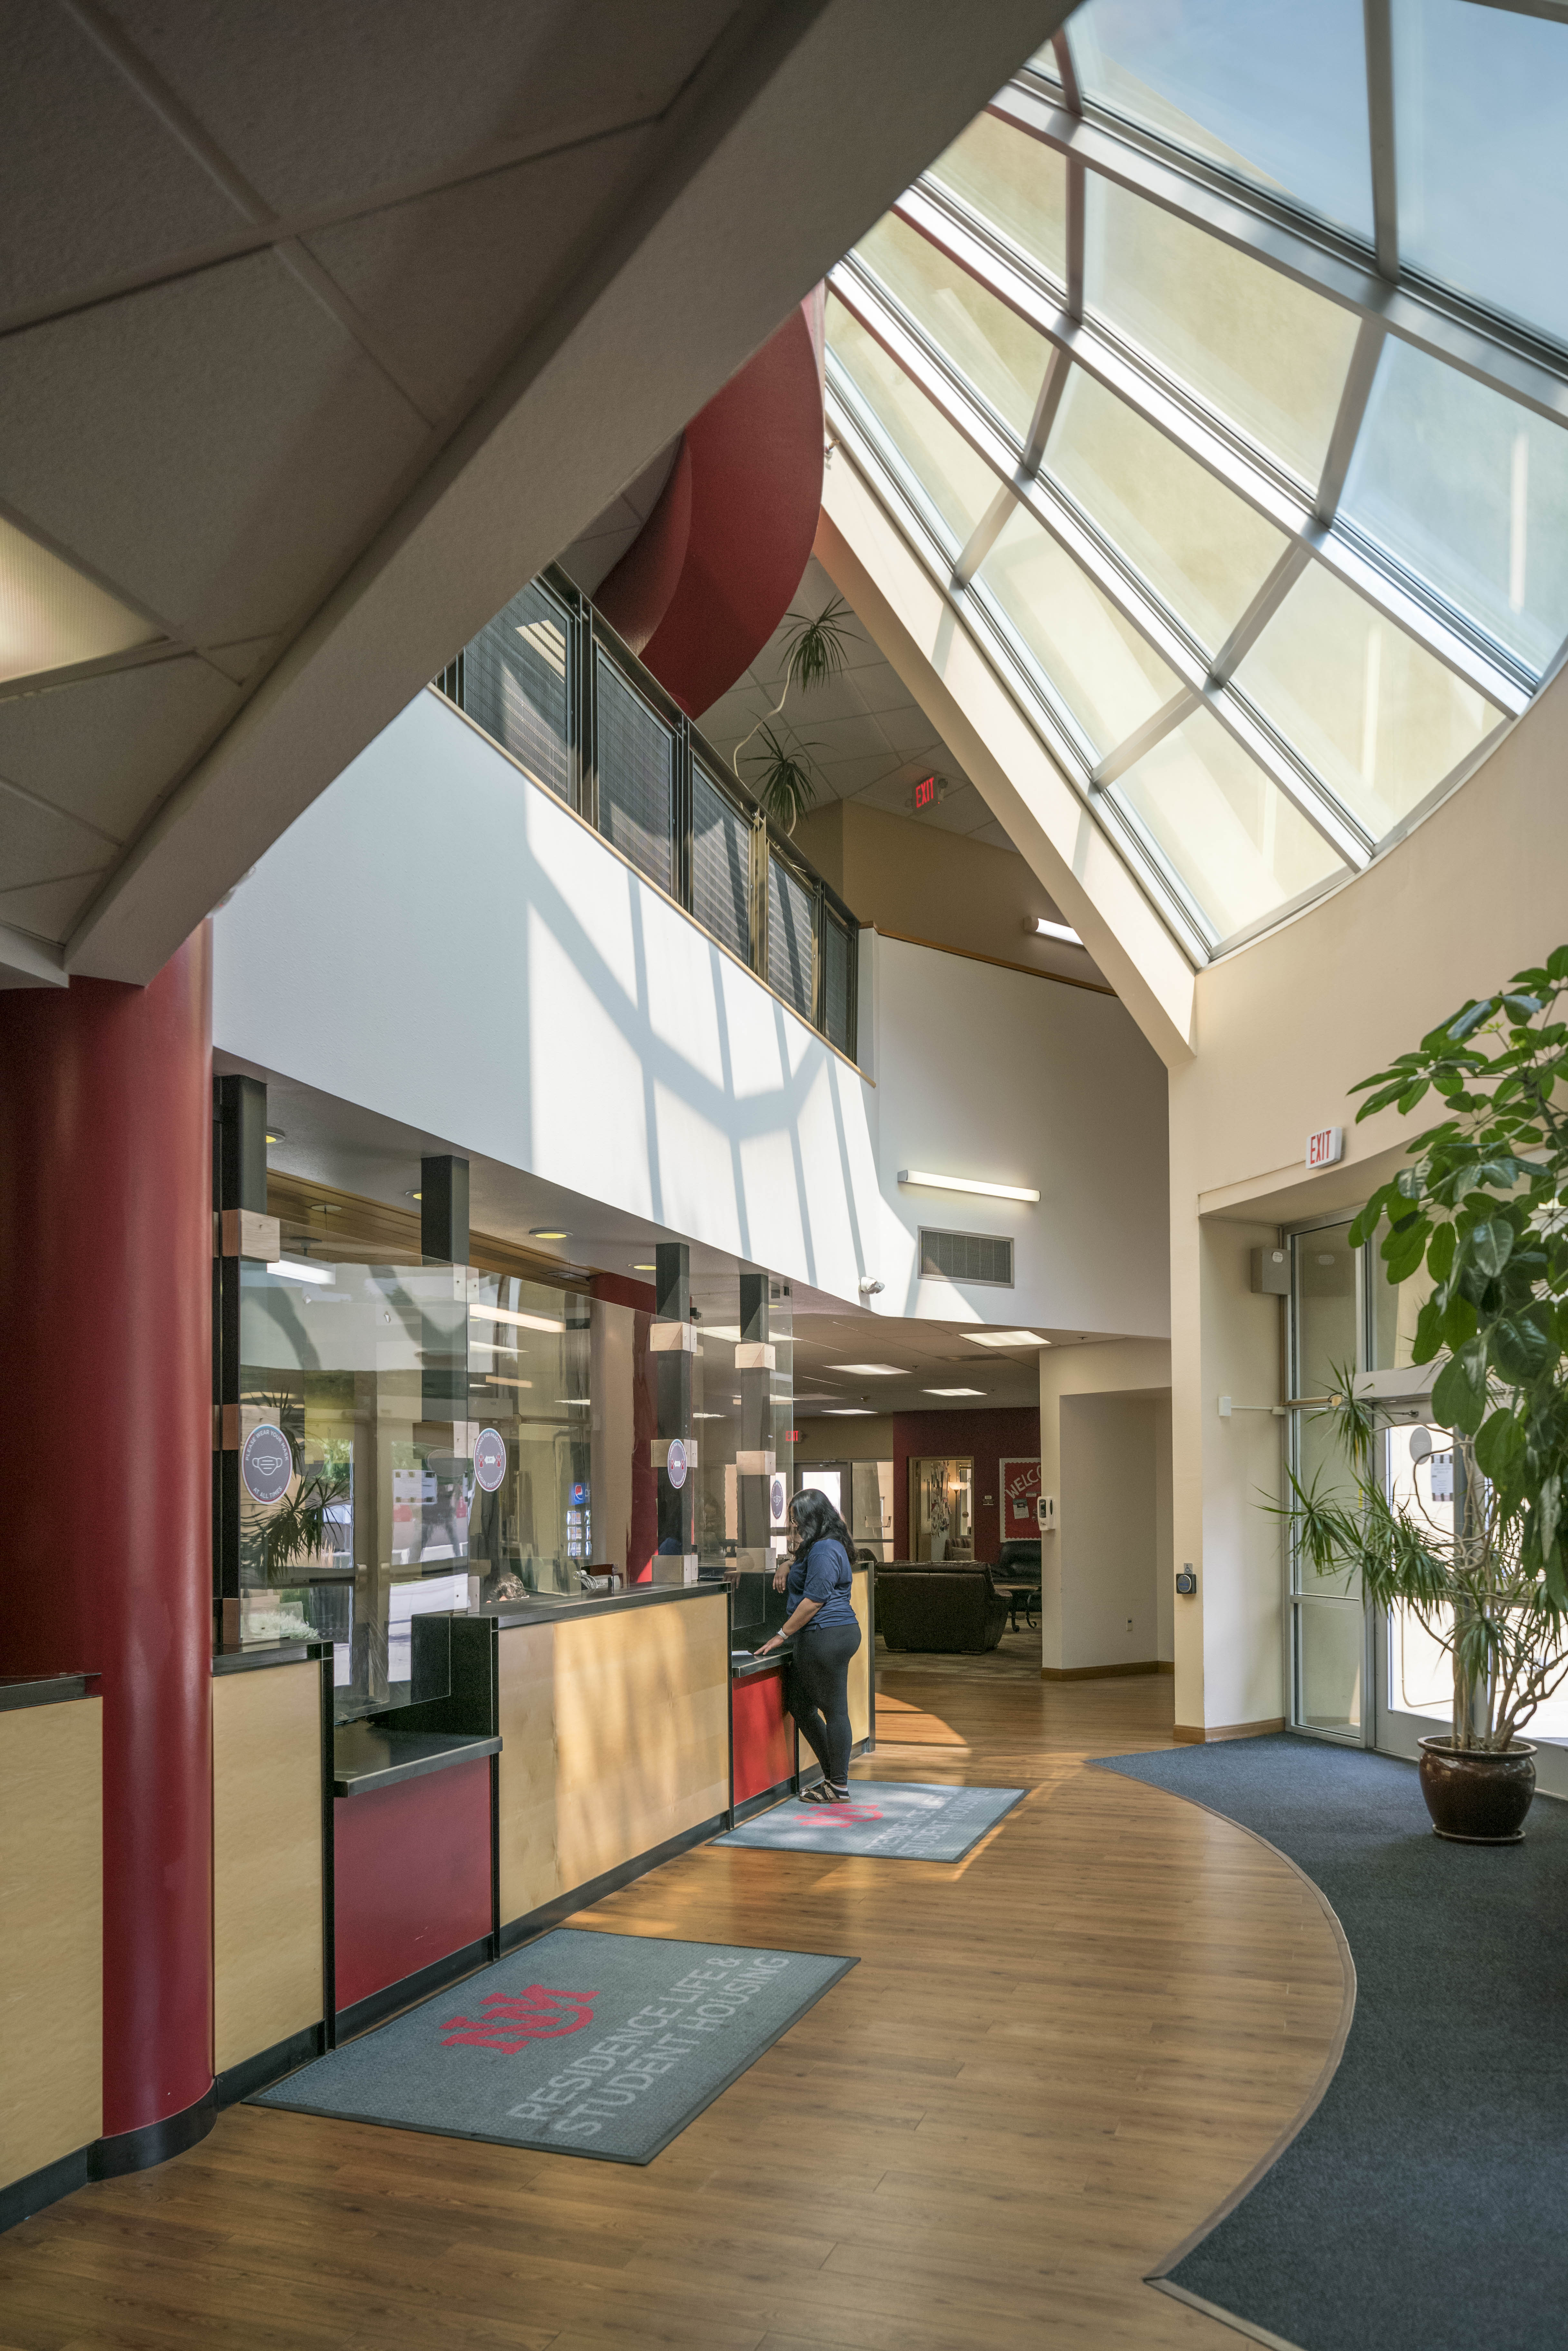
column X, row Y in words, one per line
column 1481, row 99
column 959, row 485
column 1200, row 547
column 1470, row 493
column 51, row 616
column 1044, row 62
column 1371, row 711
column 1105, row 674
column 991, row 347
column 1269, row 90
column 1267, row 354
column 1223, row 827
column 1015, row 183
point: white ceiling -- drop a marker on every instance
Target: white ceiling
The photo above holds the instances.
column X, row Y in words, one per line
column 322, row 327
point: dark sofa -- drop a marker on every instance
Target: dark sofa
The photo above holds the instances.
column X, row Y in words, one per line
column 943, row 1608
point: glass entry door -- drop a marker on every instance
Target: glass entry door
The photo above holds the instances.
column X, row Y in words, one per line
column 1329, row 1664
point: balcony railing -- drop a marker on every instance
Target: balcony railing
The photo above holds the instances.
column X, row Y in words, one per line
column 550, row 681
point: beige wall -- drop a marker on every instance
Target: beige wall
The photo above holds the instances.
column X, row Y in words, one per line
column 1109, row 1585
column 911, row 878
column 1072, row 1560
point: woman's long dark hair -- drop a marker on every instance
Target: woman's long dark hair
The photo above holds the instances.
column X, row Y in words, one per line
column 815, row 1517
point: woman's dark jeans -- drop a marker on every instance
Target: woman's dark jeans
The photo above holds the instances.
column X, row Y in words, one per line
column 819, row 1693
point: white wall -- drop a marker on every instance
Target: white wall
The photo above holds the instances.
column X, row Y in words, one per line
column 442, row 942
column 1110, row 1605
column 1020, row 1081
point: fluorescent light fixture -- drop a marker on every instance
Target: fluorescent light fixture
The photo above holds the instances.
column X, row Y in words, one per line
column 870, row 1371
column 547, row 1233
column 500, row 1380
column 583, row 1401
column 51, row 616
column 291, row 1269
column 644, row 1269
column 850, row 1412
column 965, row 1184
column 1038, row 928
column 513, row 1319
column 707, row 1416
column 1006, row 1338
column 979, row 1392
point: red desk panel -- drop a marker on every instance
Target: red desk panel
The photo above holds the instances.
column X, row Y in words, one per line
column 412, row 1876
column 764, row 1734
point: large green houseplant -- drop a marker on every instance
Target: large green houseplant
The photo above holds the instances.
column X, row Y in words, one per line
column 1479, row 1213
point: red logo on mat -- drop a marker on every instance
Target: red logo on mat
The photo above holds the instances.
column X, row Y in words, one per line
column 511, row 2020
column 838, row 1812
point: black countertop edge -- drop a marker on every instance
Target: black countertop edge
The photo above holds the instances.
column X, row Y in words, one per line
column 770, row 1664
column 270, row 1653
column 17, row 1690
column 507, row 1612
column 366, row 1759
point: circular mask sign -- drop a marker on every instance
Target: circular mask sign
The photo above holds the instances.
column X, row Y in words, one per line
column 776, row 1501
column 266, row 1464
column 489, row 1459
column 675, row 1466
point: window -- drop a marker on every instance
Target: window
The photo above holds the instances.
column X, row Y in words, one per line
column 789, row 937
column 721, row 866
column 636, row 776
column 516, row 686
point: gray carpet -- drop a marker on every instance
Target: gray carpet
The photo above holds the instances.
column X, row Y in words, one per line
column 604, row 2045
column 885, row 1820
column 1421, row 2207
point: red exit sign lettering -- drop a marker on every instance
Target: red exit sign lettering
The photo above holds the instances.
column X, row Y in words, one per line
column 925, row 793
column 1326, row 1147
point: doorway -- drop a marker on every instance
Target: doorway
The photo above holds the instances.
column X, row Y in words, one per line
column 941, row 1507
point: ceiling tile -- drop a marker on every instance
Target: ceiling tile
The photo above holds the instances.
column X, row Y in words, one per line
column 48, row 910
column 315, row 104
column 448, row 281
column 216, row 447
column 93, row 187
column 239, row 660
column 104, row 747
column 38, row 845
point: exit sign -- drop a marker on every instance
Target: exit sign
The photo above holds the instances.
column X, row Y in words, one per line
column 791, row 1437
column 1326, row 1147
column 927, row 793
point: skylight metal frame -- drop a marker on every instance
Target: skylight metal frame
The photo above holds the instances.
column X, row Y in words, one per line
column 1387, row 299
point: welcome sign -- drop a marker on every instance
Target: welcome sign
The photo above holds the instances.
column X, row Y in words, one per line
column 602, row 2045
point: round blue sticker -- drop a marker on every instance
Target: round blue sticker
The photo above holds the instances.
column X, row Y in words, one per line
column 266, row 1464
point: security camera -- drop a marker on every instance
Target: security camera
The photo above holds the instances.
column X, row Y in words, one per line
column 868, row 1288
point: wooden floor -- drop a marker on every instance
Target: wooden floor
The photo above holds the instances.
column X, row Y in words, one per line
column 1054, row 2060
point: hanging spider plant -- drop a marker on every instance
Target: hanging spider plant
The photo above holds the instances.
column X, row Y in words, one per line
column 815, row 651
column 784, row 788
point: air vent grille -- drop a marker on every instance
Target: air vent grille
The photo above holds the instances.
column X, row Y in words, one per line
column 967, row 1258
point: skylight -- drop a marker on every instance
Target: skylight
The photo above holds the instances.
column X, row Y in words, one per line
column 1273, row 558
column 52, row 616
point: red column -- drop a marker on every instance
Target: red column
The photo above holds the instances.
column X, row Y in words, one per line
column 106, row 1466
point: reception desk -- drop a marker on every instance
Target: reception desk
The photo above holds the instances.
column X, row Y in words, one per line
column 362, row 1866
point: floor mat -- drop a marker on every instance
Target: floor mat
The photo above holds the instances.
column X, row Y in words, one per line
column 888, row 1820
column 1418, row 2209
column 582, row 2044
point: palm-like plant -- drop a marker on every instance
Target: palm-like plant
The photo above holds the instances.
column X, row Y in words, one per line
column 815, row 651
column 1483, row 1206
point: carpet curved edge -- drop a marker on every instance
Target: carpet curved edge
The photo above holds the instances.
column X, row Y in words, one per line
column 1160, row 2275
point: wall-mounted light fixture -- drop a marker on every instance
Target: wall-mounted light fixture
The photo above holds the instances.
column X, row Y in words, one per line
column 1038, row 927
column 922, row 1175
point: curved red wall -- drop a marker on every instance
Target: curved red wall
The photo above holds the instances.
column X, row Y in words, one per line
column 106, row 1442
column 739, row 512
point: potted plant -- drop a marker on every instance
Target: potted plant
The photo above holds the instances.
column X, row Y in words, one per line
column 1483, row 1207
column 815, row 652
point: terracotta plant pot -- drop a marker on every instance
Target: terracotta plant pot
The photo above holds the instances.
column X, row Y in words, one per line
column 1475, row 1798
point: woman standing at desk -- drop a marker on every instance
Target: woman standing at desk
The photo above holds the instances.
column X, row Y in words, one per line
column 822, row 1625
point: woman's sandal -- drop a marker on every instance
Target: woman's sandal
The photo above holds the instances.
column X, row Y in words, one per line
column 825, row 1793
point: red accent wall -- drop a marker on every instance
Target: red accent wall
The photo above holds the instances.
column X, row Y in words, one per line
column 740, row 509
column 764, row 1744
column 411, row 1877
column 105, row 1438
column 986, row 1438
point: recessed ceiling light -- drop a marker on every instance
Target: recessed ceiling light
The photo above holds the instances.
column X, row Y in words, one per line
column 275, row 1135
column 547, row 1233
column 850, row 1412
column 415, row 1196
column 51, row 616
column 871, row 1371
column 500, row 1380
column 930, row 1183
column 1038, row 927
column 644, row 1269
column 979, row 1392
column 1006, row 1338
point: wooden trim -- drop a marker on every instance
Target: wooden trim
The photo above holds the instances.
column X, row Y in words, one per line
column 1104, row 1673
column 1191, row 1734
column 972, row 955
